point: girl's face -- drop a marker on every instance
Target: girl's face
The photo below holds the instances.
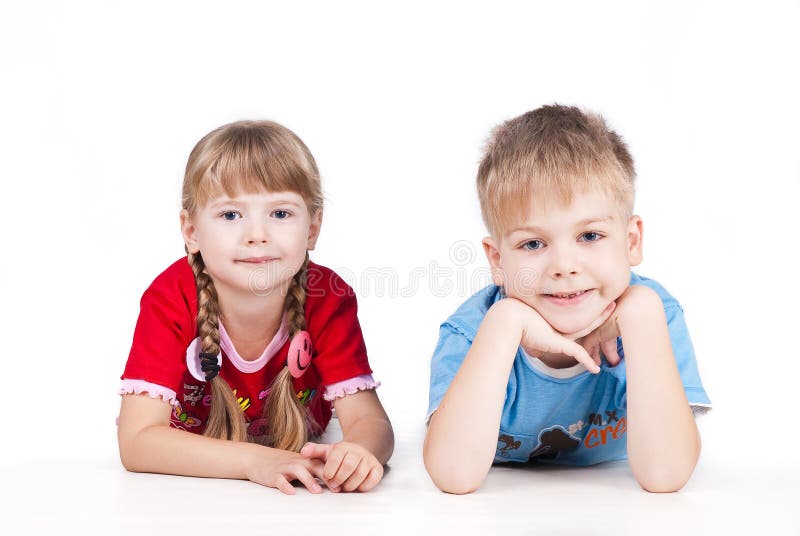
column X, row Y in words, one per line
column 252, row 243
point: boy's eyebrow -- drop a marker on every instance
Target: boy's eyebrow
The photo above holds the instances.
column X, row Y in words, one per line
column 582, row 223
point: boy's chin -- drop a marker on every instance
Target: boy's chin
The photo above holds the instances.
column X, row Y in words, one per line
column 567, row 325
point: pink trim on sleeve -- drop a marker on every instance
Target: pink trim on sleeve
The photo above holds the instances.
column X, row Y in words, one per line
column 348, row 387
column 154, row 390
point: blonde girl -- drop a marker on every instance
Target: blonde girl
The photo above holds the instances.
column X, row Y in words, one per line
column 243, row 347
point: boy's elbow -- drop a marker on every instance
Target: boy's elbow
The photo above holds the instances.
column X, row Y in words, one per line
column 663, row 479
column 451, row 477
column 662, row 485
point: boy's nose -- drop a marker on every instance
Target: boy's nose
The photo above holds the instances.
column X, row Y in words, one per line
column 563, row 265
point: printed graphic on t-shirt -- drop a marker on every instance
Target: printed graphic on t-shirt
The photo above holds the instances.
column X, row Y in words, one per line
column 552, row 442
column 184, row 420
column 605, row 429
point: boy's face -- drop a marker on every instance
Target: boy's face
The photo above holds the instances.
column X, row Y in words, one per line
column 568, row 262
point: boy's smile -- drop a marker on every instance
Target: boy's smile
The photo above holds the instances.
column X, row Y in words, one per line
column 568, row 261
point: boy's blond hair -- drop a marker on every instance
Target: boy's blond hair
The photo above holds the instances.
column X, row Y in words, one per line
column 551, row 153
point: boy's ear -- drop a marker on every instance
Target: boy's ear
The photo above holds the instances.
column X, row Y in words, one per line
column 635, row 240
column 314, row 229
column 188, row 230
column 490, row 247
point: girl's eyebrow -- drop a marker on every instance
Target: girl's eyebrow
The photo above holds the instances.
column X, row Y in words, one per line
column 234, row 202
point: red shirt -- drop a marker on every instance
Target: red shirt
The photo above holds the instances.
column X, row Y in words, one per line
column 167, row 325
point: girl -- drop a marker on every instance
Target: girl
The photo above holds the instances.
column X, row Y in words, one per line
column 242, row 347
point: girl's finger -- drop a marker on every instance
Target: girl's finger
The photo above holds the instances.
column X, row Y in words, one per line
column 335, row 457
column 283, row 485
column 357, row 478
column 374, row 476
column 306, row 478
column 315, row 450
column 348, row 466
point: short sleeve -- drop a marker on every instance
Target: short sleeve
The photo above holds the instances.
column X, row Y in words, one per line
column 684, row 356
column 163, row 332
column 339, row 349
column 450, row 351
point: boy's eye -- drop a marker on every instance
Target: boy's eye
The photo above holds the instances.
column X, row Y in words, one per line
column 532, row 244
column 590, row 236
column 230, row 215
column 281, row 214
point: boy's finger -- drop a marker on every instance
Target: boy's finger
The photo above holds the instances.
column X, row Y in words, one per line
column 609, row 348
column 599, row 321
column 577, row 351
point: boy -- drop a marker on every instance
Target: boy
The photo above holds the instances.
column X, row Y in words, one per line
column 531, row 368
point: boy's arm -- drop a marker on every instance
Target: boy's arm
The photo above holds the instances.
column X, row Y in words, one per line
column 462, row 434
column 663, row 441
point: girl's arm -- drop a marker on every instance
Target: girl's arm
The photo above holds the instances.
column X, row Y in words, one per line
column 356, row 463
column 663, row 441
column 148, row 444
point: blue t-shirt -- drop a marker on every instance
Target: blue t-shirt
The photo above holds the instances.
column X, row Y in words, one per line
column 560, row 416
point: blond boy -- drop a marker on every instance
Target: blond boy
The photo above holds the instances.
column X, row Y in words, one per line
column 569, row 358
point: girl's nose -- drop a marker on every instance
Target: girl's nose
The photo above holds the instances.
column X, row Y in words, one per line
column 257, row 234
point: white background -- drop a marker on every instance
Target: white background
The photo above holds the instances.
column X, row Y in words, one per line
column 100, row 104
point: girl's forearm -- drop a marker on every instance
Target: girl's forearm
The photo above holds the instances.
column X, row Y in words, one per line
column 462, row 435
column 161, row 449
column 374, row 434
column 663, row 441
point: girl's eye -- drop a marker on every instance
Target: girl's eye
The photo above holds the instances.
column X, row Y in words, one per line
column 230, row 215
column 531, row 245
column 590, row 236
column 281, row 214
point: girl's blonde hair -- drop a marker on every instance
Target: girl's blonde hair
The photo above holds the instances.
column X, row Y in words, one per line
column 248, row 157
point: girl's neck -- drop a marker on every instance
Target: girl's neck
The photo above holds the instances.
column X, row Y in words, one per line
column 252, row 323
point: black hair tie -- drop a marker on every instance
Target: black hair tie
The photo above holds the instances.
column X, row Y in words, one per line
column 209, row 365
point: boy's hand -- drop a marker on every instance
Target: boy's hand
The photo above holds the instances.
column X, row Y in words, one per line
column 604, row 338
column 348, row 466
column 539, row 337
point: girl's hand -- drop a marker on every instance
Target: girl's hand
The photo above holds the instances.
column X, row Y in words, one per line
column 539, row 338
column 348, row 466
column 276, row 468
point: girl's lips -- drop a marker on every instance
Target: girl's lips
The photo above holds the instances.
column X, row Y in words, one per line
column 257, row 260
column 575, row 299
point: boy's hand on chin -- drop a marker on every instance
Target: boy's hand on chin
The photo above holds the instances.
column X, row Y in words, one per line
column 603, row 340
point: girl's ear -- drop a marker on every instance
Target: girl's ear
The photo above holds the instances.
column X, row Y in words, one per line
column 314, row 229
column 635, row 240
column 490, row 247
column 189, row 233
